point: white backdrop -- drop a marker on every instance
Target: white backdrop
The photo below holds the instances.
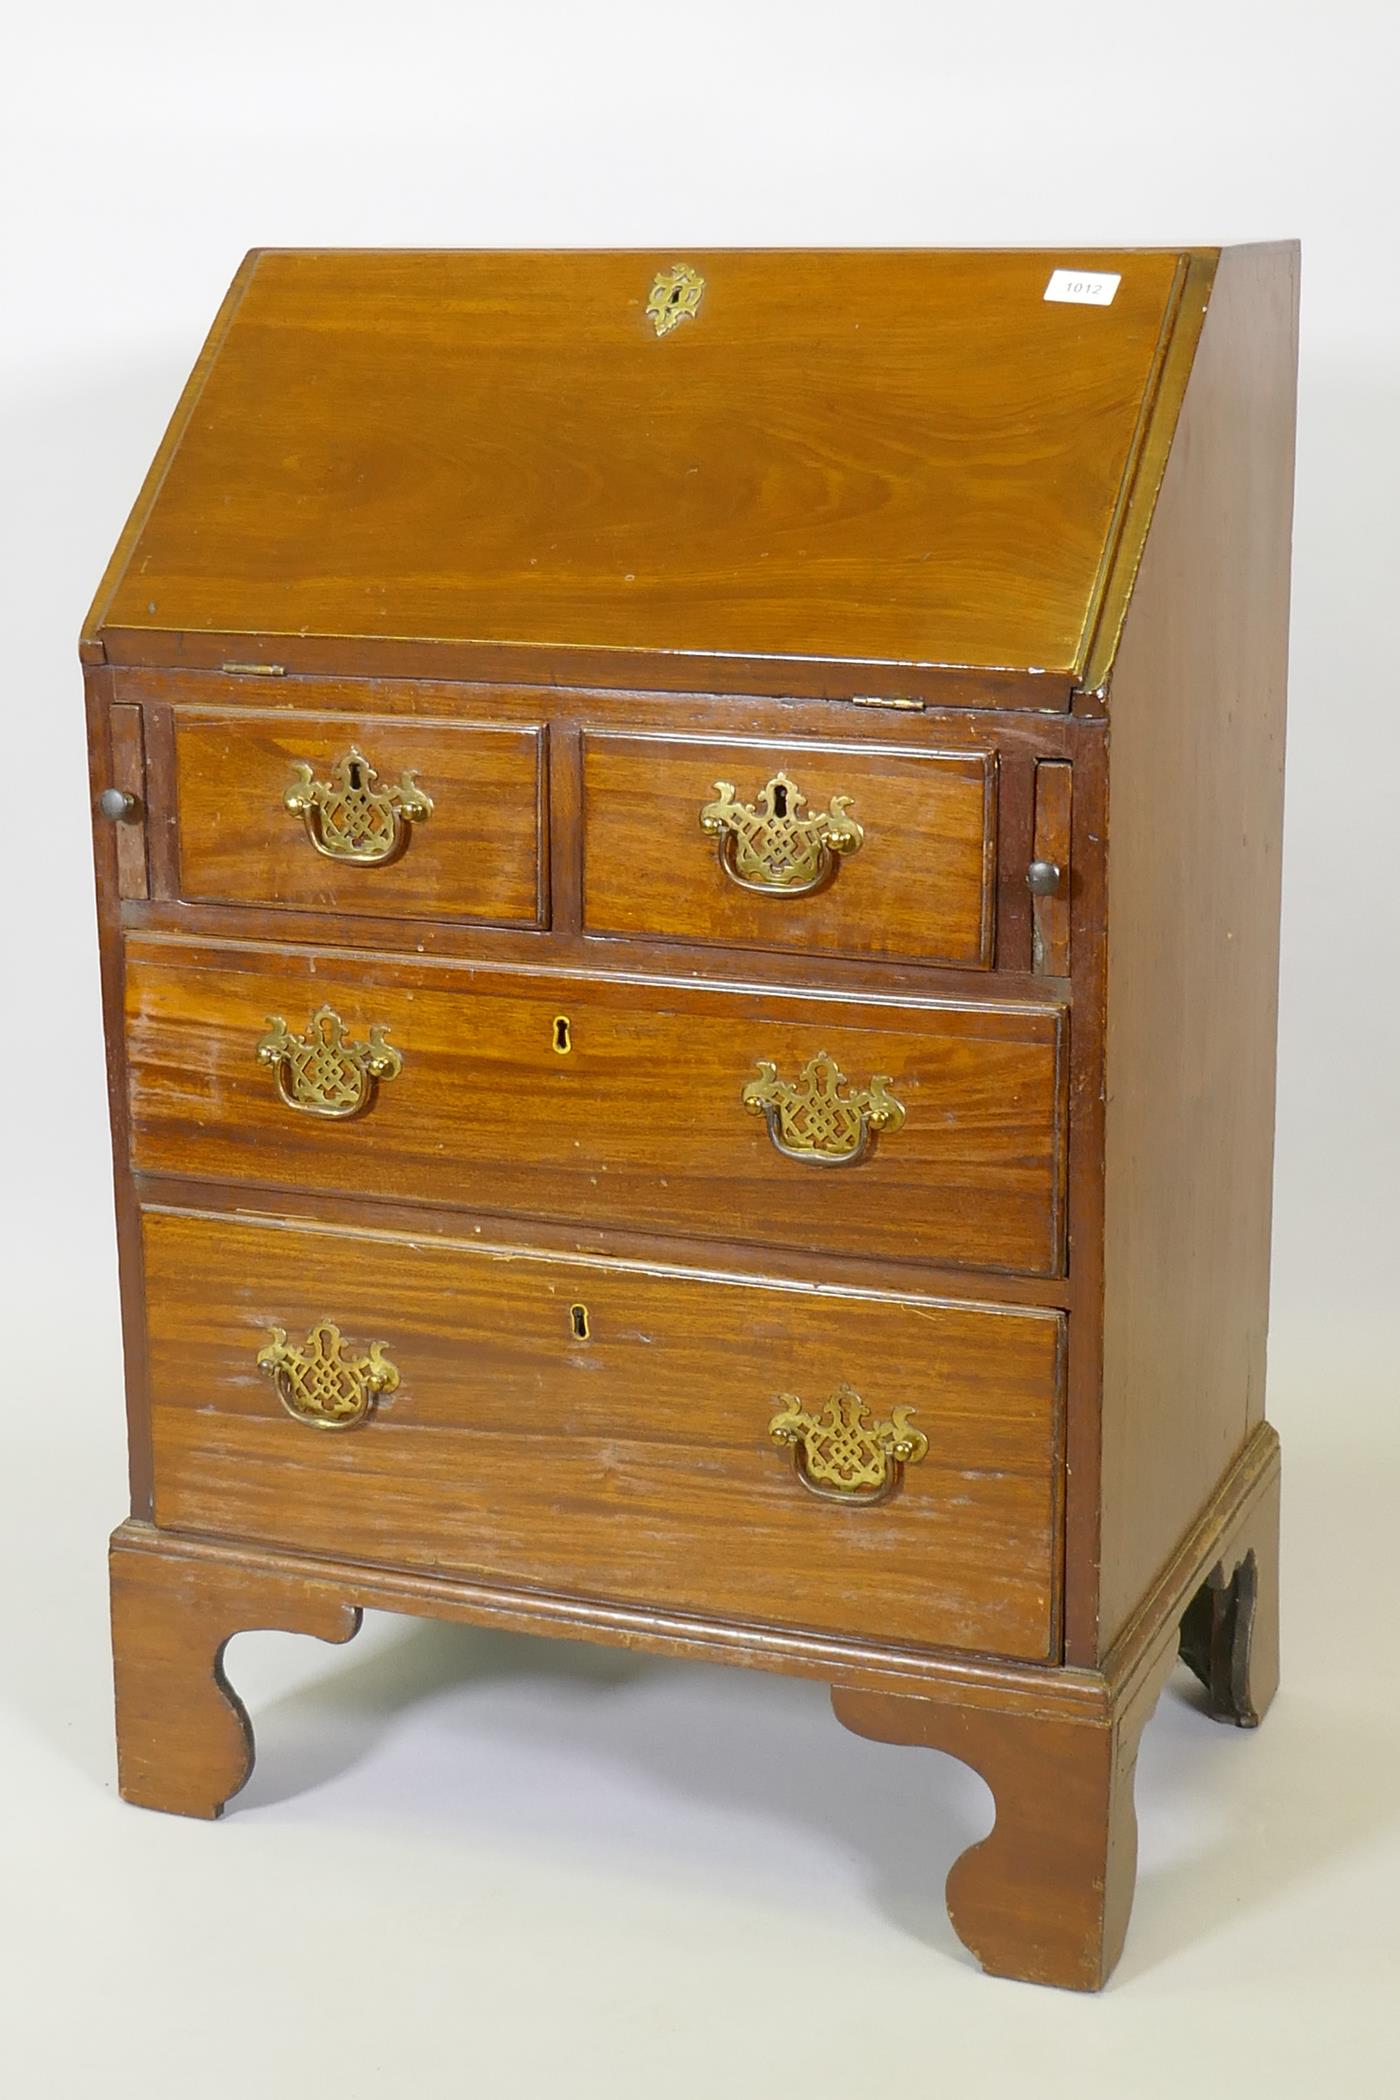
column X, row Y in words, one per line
column 499, row 1830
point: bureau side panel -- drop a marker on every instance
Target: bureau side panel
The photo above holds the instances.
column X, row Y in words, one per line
column 1196, row 721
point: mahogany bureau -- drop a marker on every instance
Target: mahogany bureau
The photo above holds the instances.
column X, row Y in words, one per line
column 688, row 855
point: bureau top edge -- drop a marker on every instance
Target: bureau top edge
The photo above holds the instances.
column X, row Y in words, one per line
column 915, row 473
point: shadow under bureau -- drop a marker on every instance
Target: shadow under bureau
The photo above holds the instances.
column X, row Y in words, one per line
column 688, row 862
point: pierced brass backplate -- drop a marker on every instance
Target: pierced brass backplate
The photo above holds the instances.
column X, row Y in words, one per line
column 348, row 818
column 841, row 1452
column 322, row 1382
column 769, row 845
column 321, row 1071
column 675, row 297
column 810, row 1119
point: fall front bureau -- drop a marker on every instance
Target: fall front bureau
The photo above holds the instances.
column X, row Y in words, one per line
column 688, row 883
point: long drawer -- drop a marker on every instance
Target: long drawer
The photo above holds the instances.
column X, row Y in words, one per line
column 918, row 1131
column 856, row 1464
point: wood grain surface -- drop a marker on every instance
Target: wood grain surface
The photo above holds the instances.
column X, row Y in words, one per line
column 127, row 771
column 1047, row 1895
column 107, row 752
column 641, row 1124
column 1194, row 855
column 923, row 885
column 920, row 888
column 888, row 458
column 633, row 1465
column 480, row 855
column 1051, row 914
column 184, row 1740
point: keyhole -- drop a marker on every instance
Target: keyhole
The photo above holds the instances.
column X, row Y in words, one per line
column 675, row 295
column 779, row 800
column 578, row 1321
column 563, row 1039
column 355, row 776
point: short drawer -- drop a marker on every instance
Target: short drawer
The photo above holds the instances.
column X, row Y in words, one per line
column 917, row 1131
column 664, row 1439
column 826, row 848
column 372, row 816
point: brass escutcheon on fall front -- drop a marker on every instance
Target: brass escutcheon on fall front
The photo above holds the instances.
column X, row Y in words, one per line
column 323, row 1382
column 348, row 818
column 768, row 844
column 841, row 1451
column 321, row 1071
column 675, row 297
column 809, row 1119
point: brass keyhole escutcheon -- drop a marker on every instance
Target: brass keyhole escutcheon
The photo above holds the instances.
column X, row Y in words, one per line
column 578, row 1322
column 562, row 1040
column 675, row 297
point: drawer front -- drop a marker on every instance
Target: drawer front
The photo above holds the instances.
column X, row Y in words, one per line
column 391, row 817
column 606, row 1103
column 830, row 849
column 636, row 1462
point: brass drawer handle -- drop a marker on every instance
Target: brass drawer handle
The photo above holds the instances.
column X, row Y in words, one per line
column 841, row 1452
column 321, row 1071
column 323, row 1382
column 769, row 846
column 348, row 818
column 810, row 1121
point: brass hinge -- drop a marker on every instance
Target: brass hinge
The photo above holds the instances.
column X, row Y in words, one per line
column 256, row 670
column 905, row 706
